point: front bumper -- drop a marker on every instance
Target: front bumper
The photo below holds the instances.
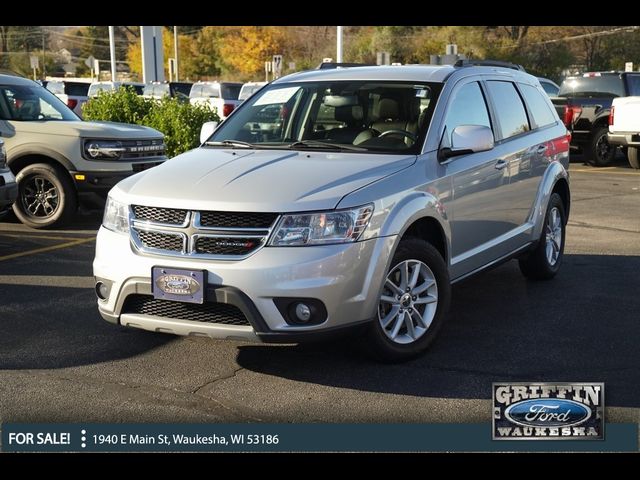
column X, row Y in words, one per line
column 100, row 182
column 345, row 278
column 8, row 190
column 624, row 139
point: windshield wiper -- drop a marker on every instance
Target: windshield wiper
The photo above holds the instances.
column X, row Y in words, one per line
column 319, row 144
column 231, row 143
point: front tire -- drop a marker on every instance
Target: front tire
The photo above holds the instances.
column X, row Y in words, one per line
column 632, row 156
column 46, row 196
column 599, row 152
column 544, row 262
column 412, row 303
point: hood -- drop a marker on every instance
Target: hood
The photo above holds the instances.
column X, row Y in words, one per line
column 257, row 180
column 78, row 128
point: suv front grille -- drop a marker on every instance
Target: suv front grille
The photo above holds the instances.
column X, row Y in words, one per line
column 171, row 216
column 208, row 312
column 226, row 245
column 136, row 149
column 206, row 234
column 161, row 241
column 237, row 219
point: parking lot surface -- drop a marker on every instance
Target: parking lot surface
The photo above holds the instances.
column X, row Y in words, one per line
column 59, row 361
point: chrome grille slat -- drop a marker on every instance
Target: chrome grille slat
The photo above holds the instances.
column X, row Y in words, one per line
column 199, row 234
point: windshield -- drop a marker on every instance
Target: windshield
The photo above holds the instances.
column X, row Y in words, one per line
column 231, row 91
column 379, row 116
column 597, row 86
column 31, row 103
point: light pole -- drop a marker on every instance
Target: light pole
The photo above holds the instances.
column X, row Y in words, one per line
column 339, row 45
column 112, row 50
column 175, row 49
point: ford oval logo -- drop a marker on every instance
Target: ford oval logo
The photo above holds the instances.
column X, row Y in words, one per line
column 548, row 412
column 178, row 284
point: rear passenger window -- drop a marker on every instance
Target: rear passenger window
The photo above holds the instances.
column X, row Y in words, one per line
column 512, row 116
column 467, row 108
column 542, row 114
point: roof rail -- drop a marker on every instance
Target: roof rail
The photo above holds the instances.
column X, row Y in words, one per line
column 327, row 65
column 488, row 63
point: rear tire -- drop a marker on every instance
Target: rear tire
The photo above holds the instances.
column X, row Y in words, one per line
column 544, row 262
column 412, row 304
column 46, row 196
column 632, row 156
column 599, row 152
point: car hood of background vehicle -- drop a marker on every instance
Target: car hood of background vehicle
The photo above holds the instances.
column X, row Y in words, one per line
column 77, row 128
column 257, row 180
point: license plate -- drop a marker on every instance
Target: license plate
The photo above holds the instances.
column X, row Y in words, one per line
column 178, row 285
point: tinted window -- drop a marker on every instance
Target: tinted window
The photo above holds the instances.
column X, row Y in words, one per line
column 28, row 103
column 549, row 88
column 542, row 114
column 467, row 108
column 633, row 82
column 512, row 116
column 231, row 91
column 602, row 86
column 76, row 88
column 180, row 88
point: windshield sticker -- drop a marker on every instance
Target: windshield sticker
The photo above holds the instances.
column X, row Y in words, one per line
column 422, row 93
column 281, row 95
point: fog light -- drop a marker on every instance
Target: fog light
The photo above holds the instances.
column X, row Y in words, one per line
column 102, row 290
column 303, row 312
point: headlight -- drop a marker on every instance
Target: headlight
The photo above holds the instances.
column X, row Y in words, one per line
column 116, row 216
column 336, row 226
column 103, row 149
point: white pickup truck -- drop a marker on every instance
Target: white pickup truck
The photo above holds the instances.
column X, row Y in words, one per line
column 624, row 127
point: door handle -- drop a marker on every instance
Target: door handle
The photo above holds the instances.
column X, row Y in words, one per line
column 500, row 164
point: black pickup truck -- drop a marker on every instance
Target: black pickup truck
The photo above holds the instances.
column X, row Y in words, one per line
column 584, row 104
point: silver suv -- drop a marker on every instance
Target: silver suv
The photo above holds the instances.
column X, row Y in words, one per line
column 341, row 198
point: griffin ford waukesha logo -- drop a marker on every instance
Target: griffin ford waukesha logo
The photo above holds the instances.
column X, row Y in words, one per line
column 178, row 284
column 548, row 411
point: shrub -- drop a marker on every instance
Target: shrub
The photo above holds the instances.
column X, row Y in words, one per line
column 179, row 121
column 122, row 105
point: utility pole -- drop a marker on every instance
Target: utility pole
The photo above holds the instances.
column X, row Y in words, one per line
column 339, row 45
column 44, row 65
column 112, row 49
column 175, row 50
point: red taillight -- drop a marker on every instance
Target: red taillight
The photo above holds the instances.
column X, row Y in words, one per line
column 71, row 103
column 611, row 115
column 227, row 108
column 570, row 116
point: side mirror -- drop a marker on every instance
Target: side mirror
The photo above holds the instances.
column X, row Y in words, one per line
column 207, row 130
column 469, row 139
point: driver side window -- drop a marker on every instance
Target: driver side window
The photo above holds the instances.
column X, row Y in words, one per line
column 467, row 107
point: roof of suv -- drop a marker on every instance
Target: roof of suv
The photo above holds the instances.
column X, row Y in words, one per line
column 14, row 80
column 417, row 73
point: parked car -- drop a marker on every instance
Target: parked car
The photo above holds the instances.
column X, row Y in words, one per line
column 159, row 90
column 221, row 96
column 584, row 103
column 550, row 87
column 74, row 93
column 8, row 185
column 624, row 126
column 59, row 159
column 372, row 191
column 249, row 89
column 96, row 87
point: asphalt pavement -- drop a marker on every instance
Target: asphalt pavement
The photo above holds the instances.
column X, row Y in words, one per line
column 59, row 361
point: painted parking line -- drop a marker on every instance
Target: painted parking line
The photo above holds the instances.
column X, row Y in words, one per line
column 602, row 170
column 36, row 236
column 59, row 246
